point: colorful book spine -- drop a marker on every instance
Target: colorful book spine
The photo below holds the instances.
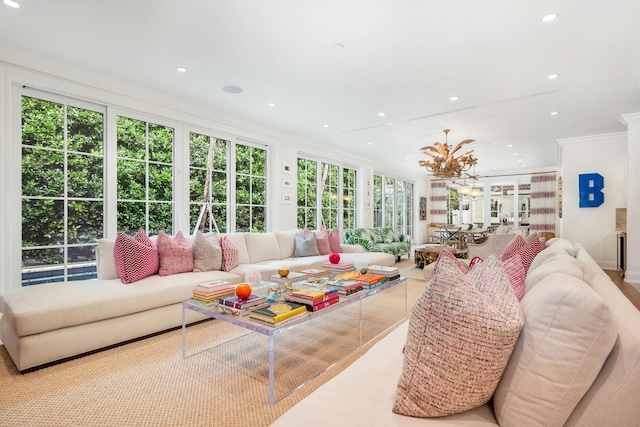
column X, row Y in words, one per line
column 236, row 302
column 307, row 300
column 320, row 306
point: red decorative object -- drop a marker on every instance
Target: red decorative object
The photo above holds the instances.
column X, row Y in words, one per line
column 243, row 290
column 334, row 258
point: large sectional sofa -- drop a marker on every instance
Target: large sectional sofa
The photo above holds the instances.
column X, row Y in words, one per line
column 50, row 322
column 576, row 361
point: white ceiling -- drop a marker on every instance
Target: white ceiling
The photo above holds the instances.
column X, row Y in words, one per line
column 405, row 58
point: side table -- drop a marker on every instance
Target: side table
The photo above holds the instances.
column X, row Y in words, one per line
column 428, row 254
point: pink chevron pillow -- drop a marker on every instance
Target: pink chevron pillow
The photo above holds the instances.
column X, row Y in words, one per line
column 136, row 257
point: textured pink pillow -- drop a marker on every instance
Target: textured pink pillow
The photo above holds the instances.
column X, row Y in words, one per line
column 446, row 254
column 334, row 241
column 176, row 255
column 513, row 247
column 136, row 257
column 516, row 274
column 529, row 251
column 324, row 247
column 230, row 254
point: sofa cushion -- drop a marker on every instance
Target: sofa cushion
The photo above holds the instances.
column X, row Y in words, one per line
column 286, row 242
column 105, row 261
column 334, row 241
column 175, row 254
column 306, row 246
column 514, row 269
column 135, row 257
column 559, row 263
column 568, row 334
column 238, row 240
column 262, row 247
column 204, row 253
column 214, row 239
column 230, row 254
column 548, row 252
column 462, row 330
column 324, row 247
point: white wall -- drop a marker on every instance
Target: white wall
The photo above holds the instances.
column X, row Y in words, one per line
column 594, row 228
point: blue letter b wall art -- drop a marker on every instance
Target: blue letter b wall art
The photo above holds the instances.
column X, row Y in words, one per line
column 590, row 186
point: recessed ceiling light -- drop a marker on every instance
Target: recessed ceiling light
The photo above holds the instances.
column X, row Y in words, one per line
column 182, row 69
column 271, row 104
column 550, row 17
column 554, row 113
column 381, row 114
column 369, row 143
column 509, row 145
column 553, row 76
column 11, row 3
column 515, row 154
column 519, row 160
column 454, row 98
column 232, row 89
column 325, row 126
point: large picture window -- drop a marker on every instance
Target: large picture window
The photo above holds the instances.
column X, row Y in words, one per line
column 393, row 204
column 326, row 195
column 145, row 176
column 62, row 189
column 251, row 188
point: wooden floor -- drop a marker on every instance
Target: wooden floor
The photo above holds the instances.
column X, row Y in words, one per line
column 628, row 290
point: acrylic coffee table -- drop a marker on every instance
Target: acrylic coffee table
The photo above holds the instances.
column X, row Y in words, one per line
column 295, row 345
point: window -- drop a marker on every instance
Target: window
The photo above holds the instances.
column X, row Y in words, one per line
column 251, row 188
column 208, row 182
column 62, row 189
column 378, row 202
column 393, row 204
column 326, row 195
column 145, row 176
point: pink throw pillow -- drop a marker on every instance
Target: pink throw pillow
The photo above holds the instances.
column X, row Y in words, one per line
column 324, row 246
column 176, row 255
column 513, row 247
column 135, row 257
column 334, row 241
column 230, row 254
column 515, row 272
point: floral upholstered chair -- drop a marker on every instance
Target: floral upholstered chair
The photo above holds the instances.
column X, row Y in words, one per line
column 377, row 239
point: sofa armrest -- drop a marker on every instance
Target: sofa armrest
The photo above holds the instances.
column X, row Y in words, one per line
column 346, row 248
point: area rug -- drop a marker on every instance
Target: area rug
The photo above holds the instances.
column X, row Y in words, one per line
column 148, row 383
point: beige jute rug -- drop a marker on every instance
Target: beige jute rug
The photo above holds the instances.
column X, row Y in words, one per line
column 148, row 383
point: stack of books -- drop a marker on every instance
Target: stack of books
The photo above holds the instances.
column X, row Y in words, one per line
column 369, row 281
column 339, row 267
column 241, row 306
column 347, row 287
column 274, row 314
column 389, row 273
column 315, row 298
column 315, row 272
column 208, row 294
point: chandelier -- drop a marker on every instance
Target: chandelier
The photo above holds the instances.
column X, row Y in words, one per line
column 443, row 163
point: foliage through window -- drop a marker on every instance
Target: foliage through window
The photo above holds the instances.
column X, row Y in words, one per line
column 251, row 188
column 145, row 176
column 62, row 189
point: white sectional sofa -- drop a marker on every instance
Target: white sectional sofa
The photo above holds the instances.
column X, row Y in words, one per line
column 49, row 322
column 569, row 387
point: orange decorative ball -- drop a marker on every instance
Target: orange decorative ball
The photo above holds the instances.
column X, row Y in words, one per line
column 243, row 290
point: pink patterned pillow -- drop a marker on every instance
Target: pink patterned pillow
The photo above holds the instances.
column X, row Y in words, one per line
column 516, row 274
column 324, row 247
column 513, row 247
column 230, row 254
column 136, row 257
column 334, row 241
column 462, row 331
column 446, row 254
column 176, row 255
column 529, row 251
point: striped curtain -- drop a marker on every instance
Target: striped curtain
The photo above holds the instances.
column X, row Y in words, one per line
column 438, row 199
column 543, row 203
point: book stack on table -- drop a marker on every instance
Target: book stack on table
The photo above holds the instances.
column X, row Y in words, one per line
column 338, row 268
column 241, row 306
column 389, row 273
column 278, row 313
column 208, row 294
column 292, row 277
column 369, row 281
column 315, row 272
column 347, row 288
column 315, row 298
